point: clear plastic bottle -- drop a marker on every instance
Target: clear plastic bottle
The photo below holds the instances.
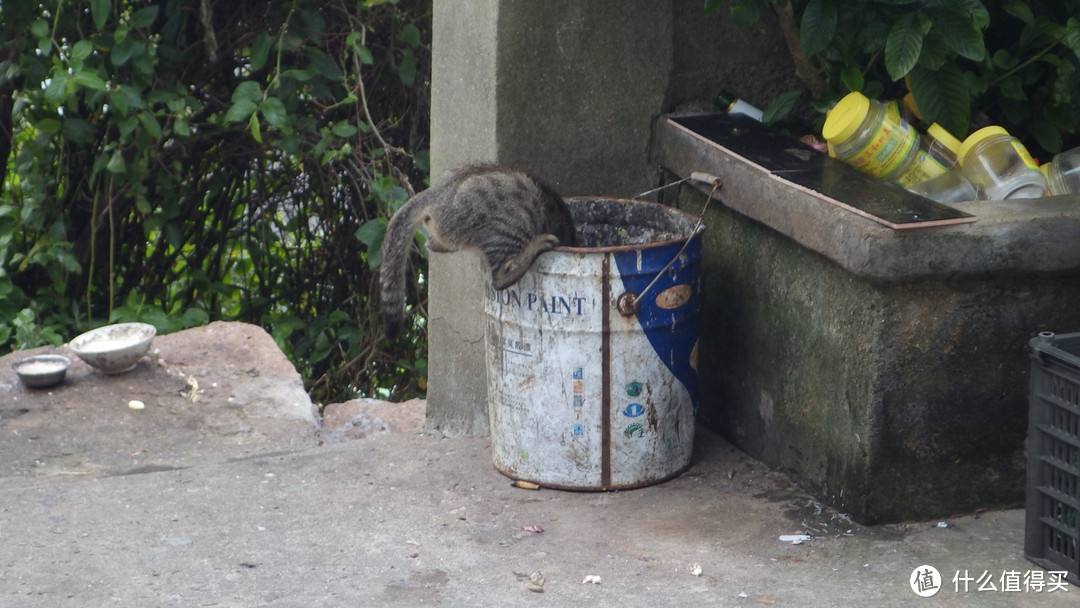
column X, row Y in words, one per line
column 999, row 166
column 1063, row 172
column 873, row 138
column 949, row 187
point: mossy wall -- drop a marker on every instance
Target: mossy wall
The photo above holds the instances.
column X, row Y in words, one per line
column 892, row 401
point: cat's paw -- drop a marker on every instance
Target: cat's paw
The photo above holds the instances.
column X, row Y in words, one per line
column 548, row 242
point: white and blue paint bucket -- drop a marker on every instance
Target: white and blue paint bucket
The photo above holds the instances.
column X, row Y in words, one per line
column 592, row 355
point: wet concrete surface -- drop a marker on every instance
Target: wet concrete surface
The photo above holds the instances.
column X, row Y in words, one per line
column 237, row 497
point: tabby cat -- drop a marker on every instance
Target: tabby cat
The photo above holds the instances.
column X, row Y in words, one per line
column 510, row 217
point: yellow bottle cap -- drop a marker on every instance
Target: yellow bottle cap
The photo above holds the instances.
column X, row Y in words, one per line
column 939, row 133
column 978, row 136
column 845, row 117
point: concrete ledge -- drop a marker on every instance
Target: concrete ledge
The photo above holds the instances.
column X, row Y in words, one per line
column 1008, row 237
column 885, row 370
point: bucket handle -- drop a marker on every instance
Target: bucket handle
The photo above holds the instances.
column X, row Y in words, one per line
column 629, row 302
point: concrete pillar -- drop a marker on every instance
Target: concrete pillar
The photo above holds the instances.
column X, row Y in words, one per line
column 563, row 89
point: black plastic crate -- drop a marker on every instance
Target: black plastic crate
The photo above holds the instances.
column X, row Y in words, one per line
column 1052, row 531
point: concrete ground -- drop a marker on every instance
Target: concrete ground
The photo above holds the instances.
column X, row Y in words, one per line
column 225, row 491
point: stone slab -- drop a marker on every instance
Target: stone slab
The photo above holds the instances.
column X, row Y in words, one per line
column 211, row 393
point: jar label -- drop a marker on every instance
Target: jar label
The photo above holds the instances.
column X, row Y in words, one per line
column 1024, row 154
column 887, row 147
column 924, row 168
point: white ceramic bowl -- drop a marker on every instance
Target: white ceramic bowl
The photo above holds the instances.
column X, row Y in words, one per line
column 42, row 371
column 114, row 348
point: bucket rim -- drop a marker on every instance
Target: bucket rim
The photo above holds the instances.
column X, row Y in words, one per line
column 636, row 247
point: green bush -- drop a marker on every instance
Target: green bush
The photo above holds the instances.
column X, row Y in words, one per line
column 181, row 161
column 968, row 64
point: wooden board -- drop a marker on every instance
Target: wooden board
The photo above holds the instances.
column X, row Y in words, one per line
column 800, row 166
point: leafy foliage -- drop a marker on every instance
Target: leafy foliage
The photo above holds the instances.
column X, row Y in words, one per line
column 966, row 62
column 179, row 161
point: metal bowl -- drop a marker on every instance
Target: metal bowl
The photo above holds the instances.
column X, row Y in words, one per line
column 114, row 349
column 41, row 371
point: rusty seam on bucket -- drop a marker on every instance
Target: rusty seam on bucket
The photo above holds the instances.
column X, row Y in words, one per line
column 605, row 372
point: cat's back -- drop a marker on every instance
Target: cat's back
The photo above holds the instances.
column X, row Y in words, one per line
column 494, row 185
column 481, row 193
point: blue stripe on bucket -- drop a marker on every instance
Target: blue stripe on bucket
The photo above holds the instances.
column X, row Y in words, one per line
column 670, row 326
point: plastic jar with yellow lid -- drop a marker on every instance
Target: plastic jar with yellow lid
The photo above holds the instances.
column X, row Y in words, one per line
column 942, row 146
column 1000, row 166
column 1063, row 172
column 873, row 138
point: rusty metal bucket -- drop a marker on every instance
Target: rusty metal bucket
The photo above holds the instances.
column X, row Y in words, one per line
column 592, row 355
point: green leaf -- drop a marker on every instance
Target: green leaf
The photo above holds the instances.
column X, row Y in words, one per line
column 943, row 96
column 173, row 236
column 9, row 70
column 410, row 35
column 746, row 13
column 99, row 12
column 125, row 50
column 711, row 6
column 48, row 125
column 89, row 79
column 81, row 50
column 871, row 38
column 959, row 34
column 194, row 317
column 274, row 111
column 40, row 28
column 300, row 75
column 127, row 125
column 78, row 131
column 1064, row 85
column 935, row 53
column 313, row 21
column 240, row 110
column 355, row 41
column 260, row 50
column 343, row 129
column 116, row 163
column 371, row 234
column 144, row 17
column 780, row 107
column 1003, row 60
column 1071, row 37
column 56, row 89
column 818, row 26
column 45, row 46
column 325, row 66
column 980, row 17
column 125, row 97
column 903, row 45
column 253, row 126
column 1012, row 88
column 1046, row 134
column 407, row 68
column 151, row 124
column 1020, row 10
column 853, row 79
column 248, row 90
